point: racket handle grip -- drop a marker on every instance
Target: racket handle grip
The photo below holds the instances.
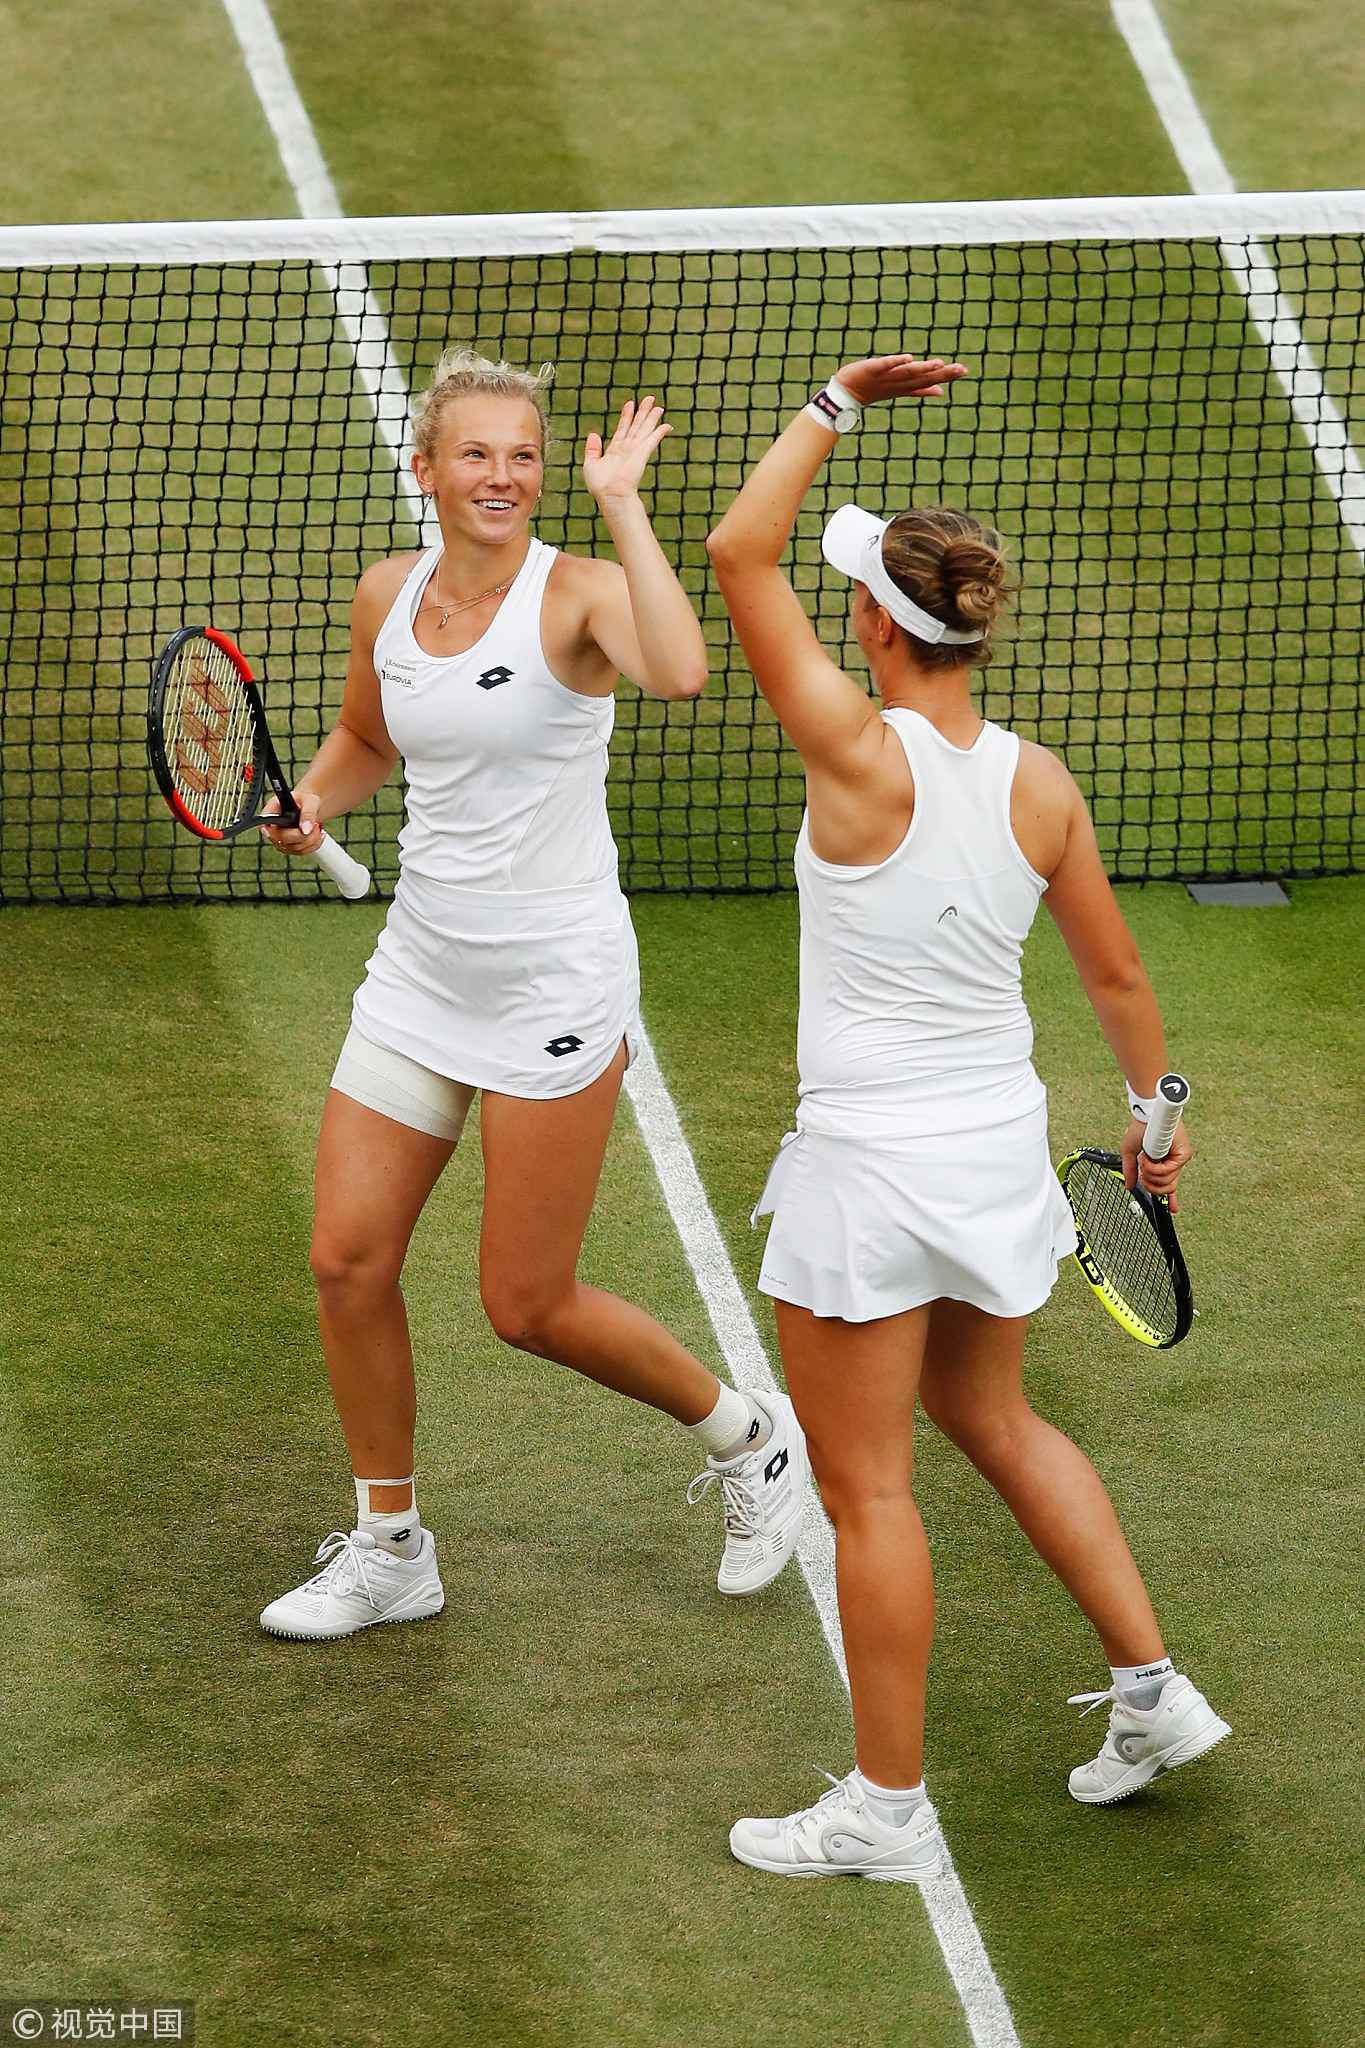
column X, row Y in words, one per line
column 351, row 878
column 1172, row 1094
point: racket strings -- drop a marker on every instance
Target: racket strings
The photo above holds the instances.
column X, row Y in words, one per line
column 1124, row 1244
column 210, row 736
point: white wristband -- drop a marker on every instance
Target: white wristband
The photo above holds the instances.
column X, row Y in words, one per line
column 835, row 408
column 1140, row 1106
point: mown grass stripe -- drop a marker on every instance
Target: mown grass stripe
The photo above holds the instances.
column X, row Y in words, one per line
column 950, row 1916
column 1252, row 268
column 957, row 1934
column 381, row 376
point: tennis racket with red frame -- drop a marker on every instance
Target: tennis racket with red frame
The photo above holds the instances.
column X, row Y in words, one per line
column 211, row 750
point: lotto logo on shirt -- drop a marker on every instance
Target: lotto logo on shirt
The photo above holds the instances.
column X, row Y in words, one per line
column 399, row 675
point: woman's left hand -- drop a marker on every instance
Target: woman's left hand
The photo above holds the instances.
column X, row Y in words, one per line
column 615, row 472
column 899, row 377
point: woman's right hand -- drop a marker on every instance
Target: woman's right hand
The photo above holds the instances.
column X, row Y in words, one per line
column 301, row 838
column 1158, row 1176
column 899, row 377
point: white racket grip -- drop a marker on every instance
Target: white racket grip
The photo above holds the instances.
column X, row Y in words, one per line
column 1172, row 1094
column 351, row 878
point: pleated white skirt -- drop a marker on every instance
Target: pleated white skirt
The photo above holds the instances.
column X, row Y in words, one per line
column 867, row 1230
column 526, row 993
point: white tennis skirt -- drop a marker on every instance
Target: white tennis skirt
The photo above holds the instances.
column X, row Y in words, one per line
column 866, row 1230
column 526, row 993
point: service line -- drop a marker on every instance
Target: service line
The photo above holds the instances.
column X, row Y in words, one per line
column 983, row 2001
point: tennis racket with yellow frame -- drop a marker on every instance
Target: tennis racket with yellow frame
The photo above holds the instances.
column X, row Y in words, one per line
column 1126, row 1244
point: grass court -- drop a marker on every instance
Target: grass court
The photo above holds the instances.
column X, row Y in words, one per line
column 510, row 1827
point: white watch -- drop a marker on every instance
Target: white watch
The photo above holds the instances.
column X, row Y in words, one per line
column 835, row 408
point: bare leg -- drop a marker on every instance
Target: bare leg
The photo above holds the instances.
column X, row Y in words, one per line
column 854, row 1389
column 372, row 1183
column 542, row 1163
column 972, row 1387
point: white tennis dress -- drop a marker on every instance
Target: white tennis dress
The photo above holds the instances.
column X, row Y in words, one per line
column 508, row 959
column 919, row 1167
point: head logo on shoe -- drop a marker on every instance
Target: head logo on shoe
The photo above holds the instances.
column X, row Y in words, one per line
column 1121, row 1743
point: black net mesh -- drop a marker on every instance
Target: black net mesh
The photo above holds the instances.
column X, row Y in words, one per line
column 193, row 443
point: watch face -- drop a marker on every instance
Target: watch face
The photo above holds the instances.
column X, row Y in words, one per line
column 846, row 419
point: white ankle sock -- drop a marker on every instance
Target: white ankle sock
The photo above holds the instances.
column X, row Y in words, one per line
column 1139, row 1685
column 886, row 1803
column 734, row 1426
column 399, row 1531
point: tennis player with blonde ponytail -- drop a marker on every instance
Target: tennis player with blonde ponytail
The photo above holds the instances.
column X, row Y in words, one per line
column 917, row 1221
column 507, row 965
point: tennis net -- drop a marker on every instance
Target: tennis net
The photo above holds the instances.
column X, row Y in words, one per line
column 209, row 423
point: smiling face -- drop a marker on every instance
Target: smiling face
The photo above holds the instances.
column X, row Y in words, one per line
column 486, row 468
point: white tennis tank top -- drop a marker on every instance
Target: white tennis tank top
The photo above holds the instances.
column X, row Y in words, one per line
column 913, row 1021
column 506, row 766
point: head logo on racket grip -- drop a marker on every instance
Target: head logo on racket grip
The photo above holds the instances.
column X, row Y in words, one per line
column 197, row 729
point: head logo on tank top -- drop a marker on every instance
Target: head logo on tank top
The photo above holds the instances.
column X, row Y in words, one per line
column 491, row 677
column 951, row 911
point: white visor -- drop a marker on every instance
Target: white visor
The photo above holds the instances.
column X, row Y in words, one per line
column 852, row 543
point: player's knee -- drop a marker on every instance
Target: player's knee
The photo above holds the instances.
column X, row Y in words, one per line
column 851, row 1489
column 345, row 1267
column 990, row 1437
column 521, row 1313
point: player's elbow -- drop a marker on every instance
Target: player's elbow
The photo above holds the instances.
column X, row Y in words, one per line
column 1119, row 980
column 723, row 547
column 690, row 682
column 739, row 556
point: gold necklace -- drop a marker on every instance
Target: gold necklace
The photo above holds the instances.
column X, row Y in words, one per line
column 448, row 611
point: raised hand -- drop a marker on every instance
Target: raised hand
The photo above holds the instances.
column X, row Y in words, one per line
column 615, row 471
column 899, row 377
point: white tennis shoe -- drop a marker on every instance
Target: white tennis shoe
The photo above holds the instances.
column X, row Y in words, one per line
column 841, row 1837
column 359, row 1585
column 764, row 1496
column 1142, row 1744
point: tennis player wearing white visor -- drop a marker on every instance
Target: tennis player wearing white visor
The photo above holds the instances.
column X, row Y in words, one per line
column 917, row 1221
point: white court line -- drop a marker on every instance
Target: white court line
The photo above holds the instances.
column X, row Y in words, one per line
column 362, row 319
column 983, row 2002
column 950, row 1916
column 1251, row 265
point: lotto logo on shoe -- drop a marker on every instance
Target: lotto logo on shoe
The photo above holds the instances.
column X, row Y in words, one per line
column 776, row 1465
column 565, row 1044
column 491, row 677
